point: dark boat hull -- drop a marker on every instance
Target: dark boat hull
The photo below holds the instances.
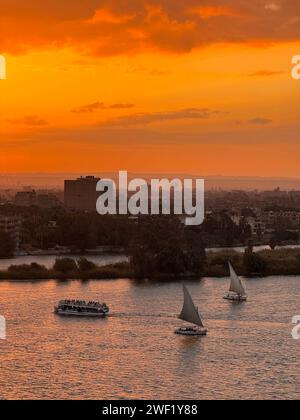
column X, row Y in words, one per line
column 81, row 314
column 235, row 298
column 191, row 331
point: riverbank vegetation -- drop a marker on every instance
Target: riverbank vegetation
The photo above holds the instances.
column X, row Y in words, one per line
column 66, row 268
column 249, row 264
column 163, row 247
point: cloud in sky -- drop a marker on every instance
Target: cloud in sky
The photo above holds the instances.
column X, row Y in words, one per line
column 111, row 27
column 96, row 106
column 29, row 120
column 266, row 73
column 155, row 117
column 99, row 135
column 260, row 121
column 274, row 7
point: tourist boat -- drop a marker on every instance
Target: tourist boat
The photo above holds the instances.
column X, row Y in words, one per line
column 190, row 314
column 237, row 291
column 81, row 308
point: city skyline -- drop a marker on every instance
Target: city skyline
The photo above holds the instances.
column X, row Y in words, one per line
column 55, row 181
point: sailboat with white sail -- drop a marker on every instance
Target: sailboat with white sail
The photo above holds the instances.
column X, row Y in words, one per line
column 190, row 314
column 237, row 292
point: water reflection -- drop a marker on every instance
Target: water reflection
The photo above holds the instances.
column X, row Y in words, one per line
column 135, row 353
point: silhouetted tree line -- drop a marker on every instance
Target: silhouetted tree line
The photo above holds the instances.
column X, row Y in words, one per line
column 219, row 229
column 81, row 231
column 78, row 231
column 163, row 246
column 86, row 230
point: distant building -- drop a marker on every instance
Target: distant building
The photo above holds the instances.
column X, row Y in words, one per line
column 47, row 201
column 258, row 227
column 236, row 218
column 11, row 225
column 282, row 218
column 81, row 194
column 275, row 194
column 26, row 198
column 32, row 198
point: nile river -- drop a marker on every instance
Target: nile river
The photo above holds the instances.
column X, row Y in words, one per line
column 248, row 353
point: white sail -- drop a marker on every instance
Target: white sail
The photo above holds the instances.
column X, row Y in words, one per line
column 189, row 311
column 236, row 284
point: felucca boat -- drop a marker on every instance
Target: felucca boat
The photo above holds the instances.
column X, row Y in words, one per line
column 237, row 292
column 190, row 314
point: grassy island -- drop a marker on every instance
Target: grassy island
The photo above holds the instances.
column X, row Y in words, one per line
column 263, row 263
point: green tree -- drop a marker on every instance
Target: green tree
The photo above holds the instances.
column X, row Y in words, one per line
column 65, row 265
column 162, row 246
column 28, row 268
column 85, row 265
column 254, row 263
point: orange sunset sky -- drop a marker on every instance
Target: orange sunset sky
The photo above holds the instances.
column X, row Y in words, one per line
column 186, row 86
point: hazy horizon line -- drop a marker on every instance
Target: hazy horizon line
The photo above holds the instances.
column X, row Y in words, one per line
column 95, row 173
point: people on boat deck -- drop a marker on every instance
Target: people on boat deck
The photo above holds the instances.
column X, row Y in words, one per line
column 82, row 303
column 83, row 306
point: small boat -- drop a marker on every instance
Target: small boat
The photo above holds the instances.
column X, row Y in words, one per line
column 237, row 292
column 81, row 308
column 190, row 314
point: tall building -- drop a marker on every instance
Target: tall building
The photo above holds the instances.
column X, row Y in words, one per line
column 11, row 225
column 81, row 194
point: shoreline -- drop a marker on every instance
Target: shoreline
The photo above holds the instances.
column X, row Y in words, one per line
column 280, row 262
column 121, row 251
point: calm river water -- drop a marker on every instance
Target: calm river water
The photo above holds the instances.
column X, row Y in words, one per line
column 248, row 353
